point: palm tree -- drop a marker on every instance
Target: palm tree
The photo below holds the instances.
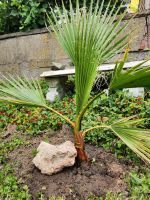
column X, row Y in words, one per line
column 90, row 37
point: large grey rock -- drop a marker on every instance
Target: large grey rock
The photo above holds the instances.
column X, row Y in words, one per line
column 51, row 159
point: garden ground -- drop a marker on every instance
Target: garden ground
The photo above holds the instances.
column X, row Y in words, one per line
column 113, row 171
column 103, row 173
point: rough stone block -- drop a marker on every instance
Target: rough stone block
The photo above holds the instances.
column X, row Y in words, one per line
column 51, row 159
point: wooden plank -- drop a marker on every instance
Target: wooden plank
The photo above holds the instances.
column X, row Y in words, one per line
column 105, row 67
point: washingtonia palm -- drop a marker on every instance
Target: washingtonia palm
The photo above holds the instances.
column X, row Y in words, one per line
column 89, row 37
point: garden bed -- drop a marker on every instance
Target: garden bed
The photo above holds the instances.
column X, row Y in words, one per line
column 108, row 174
column 102, row 174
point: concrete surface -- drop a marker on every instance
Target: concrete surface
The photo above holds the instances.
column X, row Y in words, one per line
column 32, row 53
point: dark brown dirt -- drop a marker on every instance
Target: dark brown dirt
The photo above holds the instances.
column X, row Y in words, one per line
column 102, row 174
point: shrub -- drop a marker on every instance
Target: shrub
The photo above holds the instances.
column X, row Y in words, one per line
column 22, row 15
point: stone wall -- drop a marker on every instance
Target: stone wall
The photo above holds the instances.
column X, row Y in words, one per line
column 31, row 53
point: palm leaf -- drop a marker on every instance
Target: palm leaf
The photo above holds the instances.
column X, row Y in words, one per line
column 136, row 76
column 90, row 37
column 130, row 121
column 21, row 91
column 135, row 138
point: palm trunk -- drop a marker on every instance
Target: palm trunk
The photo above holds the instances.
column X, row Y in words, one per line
column 80, row 147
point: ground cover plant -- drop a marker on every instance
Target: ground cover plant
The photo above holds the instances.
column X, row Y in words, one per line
column 117, row 105
column 90, row 37
column 34, row 121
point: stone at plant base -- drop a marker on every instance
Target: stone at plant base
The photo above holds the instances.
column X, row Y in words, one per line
column 51, row 159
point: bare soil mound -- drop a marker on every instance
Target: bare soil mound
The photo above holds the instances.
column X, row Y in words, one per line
column 102, row 174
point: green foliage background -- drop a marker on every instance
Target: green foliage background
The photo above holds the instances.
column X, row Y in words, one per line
column 23, row 15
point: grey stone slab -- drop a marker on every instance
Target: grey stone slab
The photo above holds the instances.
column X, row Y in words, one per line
column 58, row 73
column 135, row 92
column 147, row 4
column 56, row 88
column 105, row 67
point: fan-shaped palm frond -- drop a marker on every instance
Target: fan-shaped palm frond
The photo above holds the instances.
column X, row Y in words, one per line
column 90, row 37
column 136, row 76
column 21, row 91
column 25, row 91
column 135, row 138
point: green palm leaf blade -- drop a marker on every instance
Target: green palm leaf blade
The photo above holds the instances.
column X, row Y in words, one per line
column 89, row 37
column 130, row 121
column 135, row 138
column 21, row 91
column 136, row 76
